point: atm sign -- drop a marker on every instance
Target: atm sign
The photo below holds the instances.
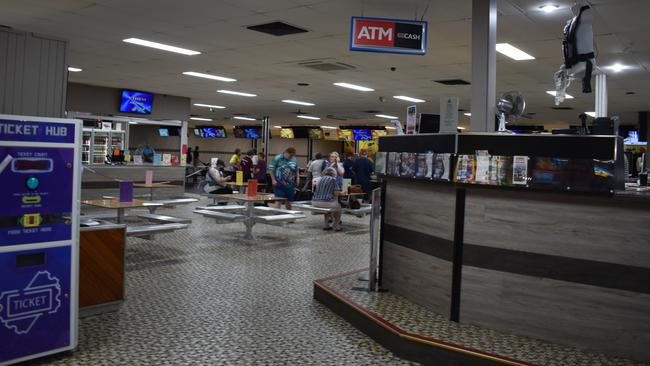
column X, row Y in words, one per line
column 388, row 35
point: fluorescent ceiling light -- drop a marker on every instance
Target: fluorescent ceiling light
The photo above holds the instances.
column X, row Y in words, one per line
column 296, row 102
column 201, row 119
column 277, row 126
column 549, row 8
column 553, row 93
column 355, row 87
column 209, row 106
column 308, row 117
column 208, row 76
column 244, row 118
column 591, row 114
column 161, row 46
column 386, row 116
column 468, row 114
column 390, row 128
column 329, row 127
column 460, row 127
column 513, row 52
column 74, row 69
column 409, row 99
column 236, row 93
column 617, row 67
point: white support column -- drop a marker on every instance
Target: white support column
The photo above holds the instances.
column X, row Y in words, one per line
column 183, row 136
column 484, row 71
column 601, row 95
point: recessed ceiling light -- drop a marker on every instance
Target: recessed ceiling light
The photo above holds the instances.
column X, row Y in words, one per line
column 74, row 69
column 591, row 114
column 201, row 119
column 409, row 99
column 468, row 114
column 553, row 93
column 513, row 52
column 277, row 126
column 161, row 46
column 296, row 102
column 617, row 67
column 460, row 127
column 209, row 106
column 208, row 76
column 390, row 128
column 549, row 8
column 328, row 127
column 236, row 93
column 244, row 118
column 386, row 116
column 355, row 87
column 308, row 117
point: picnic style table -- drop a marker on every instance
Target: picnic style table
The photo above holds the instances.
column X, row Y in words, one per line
column 249, row 213
column 120, row 207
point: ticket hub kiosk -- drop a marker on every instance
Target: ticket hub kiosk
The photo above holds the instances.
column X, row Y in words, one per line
column 39, row 232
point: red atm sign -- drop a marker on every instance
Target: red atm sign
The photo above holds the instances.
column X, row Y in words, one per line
column 388, row 35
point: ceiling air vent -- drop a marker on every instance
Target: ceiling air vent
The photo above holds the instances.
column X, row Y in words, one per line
column 326, row 66
column 277, row 29
column 452, row 82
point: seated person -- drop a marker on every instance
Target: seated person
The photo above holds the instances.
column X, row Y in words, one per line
column 215, row 179
column 326, row 192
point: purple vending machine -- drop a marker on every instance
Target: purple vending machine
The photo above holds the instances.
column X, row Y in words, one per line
column 40, row 174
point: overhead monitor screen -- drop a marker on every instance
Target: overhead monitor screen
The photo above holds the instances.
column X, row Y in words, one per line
column 378, row 133
column 252, row 132
column 163, row 131
column 287, row 133
column 209, row 132
column 136, row 102
column 315, row 133
column 220, row 132
column 362, row 135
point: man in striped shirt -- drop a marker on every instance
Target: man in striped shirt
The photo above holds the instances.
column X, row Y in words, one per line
column 326, row 194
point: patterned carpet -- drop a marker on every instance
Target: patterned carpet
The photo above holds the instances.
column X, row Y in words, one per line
column 203, row 296
column 418, row 320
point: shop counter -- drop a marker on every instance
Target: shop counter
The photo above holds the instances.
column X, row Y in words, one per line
column 568, row 267
column 101, row 268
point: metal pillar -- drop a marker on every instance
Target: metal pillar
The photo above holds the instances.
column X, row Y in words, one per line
column 484, row 71
column 310, row 149
column 601, row 95
column 266, row 130
column 183, row 146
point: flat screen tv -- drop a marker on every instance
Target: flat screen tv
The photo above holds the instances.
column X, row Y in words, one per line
column 136, row 102
column 209, row 132
column 163, row 132
column 252, row 132
column 239, row 133
column 315, row 133
column 345, row 135
column 173, row 131
column 220, row 132
column 378, row 133
column 362, row 135
column 286, row 133
column 197, row 132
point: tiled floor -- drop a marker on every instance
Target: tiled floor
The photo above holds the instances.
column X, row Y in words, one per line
column 204, row 297
column 415, row 319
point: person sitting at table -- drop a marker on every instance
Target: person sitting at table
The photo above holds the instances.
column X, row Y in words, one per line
column 326, row 195
column 215, row 179
column 147, row 153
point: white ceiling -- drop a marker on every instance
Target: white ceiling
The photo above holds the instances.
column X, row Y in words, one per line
column 268, row 66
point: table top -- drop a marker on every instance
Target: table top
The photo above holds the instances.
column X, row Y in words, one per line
column 154, row 185
column 244, row 184
column 115, row 204
column 245, row 198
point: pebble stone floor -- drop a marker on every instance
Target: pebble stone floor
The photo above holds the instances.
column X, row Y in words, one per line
column 203, row 296
column 418, row 320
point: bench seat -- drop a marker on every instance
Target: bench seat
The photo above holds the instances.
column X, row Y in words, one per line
column 222, row 208
column 279, row 210
column 278, row 219
column 164, row 219
column 224, row 216
column 148, row 230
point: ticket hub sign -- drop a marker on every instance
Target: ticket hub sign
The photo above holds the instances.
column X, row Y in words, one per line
column 388, row 35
